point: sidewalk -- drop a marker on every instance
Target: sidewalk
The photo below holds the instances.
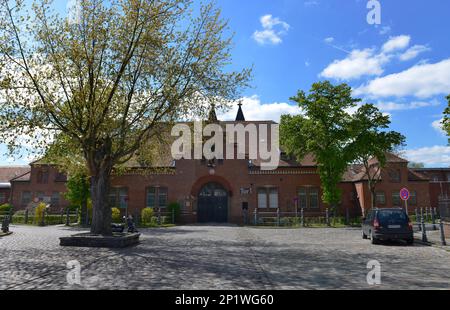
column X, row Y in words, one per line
column 433, row 236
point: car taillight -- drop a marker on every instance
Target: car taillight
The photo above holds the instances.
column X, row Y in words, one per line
column 376, row 224
column 410, row 225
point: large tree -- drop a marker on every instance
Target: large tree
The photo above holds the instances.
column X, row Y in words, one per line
column 323, row 130
column 338, row 131
column 370, row 141
column 109, row 78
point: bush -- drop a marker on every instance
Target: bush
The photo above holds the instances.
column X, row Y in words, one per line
column 174, row 207
column 5, row 208
column 116, row 218
column 146, row 216
column 39, row 213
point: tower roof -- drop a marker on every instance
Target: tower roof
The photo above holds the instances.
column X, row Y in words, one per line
column 240, row 115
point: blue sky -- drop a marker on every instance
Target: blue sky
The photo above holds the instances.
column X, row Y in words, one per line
column 402, row 65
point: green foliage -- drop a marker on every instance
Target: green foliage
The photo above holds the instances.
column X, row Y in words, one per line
column 176, row 208
column 77, row 190
column 414, row 165
column 336, row 137
column 146, row 216
column 322, row 130
column 53, row 219
column 116, row 218
column 39, row 213
column 147, row 64
column 5, row 208
column 446, row 121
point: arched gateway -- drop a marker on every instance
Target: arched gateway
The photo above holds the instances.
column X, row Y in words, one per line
column 212, row 204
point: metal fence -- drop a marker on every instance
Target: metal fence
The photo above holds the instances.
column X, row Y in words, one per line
column 444, row 208
column 303, row 218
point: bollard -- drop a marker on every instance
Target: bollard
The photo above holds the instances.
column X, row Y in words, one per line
column 441, row 224
column 278, row 217
column 426, row 214
column 62, row 216
column 26, row 217
column 302, row 214
column 159, row 216
column 256, row 216
column 424, row 232
column 67, row 217
column 418, row 220
column 327, row 216
column 5, row 224
column 433, row 219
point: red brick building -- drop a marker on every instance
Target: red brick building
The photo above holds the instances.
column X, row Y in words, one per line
column 6, row 174
column 225, row 190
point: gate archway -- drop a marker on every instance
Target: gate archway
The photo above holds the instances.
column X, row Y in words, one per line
column 212, row 204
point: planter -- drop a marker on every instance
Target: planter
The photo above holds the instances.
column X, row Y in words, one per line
column 87, row 240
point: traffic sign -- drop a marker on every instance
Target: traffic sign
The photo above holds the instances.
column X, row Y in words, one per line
column 404, row 194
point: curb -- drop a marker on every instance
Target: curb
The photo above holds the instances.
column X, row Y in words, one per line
column 7, row 234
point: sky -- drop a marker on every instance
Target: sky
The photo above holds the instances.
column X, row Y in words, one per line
column 402, row 64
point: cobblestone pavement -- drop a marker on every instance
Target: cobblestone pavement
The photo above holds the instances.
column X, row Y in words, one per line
column 220, row 257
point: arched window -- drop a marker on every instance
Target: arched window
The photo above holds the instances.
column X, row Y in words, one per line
column 213, row 190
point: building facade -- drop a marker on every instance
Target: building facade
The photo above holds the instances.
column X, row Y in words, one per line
column 229, row 191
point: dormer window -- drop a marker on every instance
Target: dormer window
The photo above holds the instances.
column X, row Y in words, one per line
column 395, row 176
column 42, row 176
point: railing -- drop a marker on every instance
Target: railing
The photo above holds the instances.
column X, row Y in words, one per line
column 444, row 208
column 302, row 218
column 46, row 218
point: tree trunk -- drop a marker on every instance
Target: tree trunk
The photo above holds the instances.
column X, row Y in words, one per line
column 101, row 211
column 372, row 194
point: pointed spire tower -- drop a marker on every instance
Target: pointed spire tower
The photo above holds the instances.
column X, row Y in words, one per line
column 212, row 117
column 240, row 115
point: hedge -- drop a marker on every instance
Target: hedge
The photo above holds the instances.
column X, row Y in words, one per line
column 49, row 219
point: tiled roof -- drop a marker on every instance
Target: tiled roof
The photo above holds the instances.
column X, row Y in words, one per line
column 7, row 173
column 416, row 176
column 390, row 158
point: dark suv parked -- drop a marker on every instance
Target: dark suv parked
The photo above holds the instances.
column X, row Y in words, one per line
column 387, row 224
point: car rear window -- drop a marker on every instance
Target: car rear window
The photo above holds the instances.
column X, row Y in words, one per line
column 389, row 217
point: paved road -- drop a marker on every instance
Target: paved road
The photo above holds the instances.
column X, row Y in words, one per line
column 220, row 257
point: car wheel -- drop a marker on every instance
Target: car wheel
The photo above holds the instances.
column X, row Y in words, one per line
column 410, row 241
column 373, row 239
column 364, row 236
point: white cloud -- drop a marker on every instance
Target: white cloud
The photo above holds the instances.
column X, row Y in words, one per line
column 369, row 61
column 357, row 64
column 396, row 43
column 413, row 52
column 422, row 81
column 431, row 156
column 437, row 125
column 396, row 106
column 329, row 40
column 255, row 110
column 273, row 30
